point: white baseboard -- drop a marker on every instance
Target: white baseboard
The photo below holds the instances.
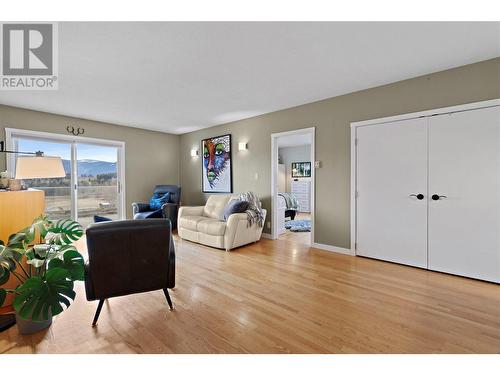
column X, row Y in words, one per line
column 334, row 249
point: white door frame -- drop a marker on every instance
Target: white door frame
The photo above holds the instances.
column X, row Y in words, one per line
column 12, row 132
column 274, row 177
column 384, row 120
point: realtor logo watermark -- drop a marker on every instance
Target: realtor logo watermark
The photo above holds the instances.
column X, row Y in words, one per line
column 29, row 59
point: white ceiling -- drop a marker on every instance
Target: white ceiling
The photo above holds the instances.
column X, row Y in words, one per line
column 179, row 77
column 294, row 140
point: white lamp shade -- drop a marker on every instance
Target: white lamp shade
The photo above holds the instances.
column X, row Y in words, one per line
column 194, row 152
column 39, row 167
column 242, row 146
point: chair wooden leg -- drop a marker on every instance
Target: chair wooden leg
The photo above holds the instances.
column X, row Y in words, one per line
column 98, row 312
column 169, row 301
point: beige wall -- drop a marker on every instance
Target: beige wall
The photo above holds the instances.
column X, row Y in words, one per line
column 331, row 117
column 151, row 158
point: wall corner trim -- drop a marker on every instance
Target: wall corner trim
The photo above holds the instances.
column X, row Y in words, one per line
column 334, row 249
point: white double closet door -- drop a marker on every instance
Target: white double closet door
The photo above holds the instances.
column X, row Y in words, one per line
column 428, row 192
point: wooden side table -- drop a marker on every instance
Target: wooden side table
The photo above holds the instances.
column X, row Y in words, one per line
column 18, row 209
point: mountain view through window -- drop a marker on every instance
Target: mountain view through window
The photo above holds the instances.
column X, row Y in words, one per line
column 94, row 187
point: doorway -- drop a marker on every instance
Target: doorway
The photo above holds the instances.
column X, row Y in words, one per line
column 292, row 186
column 94, row 168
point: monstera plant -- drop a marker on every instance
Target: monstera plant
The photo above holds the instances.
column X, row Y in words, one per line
column 46, row 271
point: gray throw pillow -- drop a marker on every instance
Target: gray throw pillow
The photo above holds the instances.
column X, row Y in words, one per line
column 235, row 207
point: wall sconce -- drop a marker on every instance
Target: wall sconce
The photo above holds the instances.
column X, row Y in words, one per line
column 194, row 152
column 242, row 146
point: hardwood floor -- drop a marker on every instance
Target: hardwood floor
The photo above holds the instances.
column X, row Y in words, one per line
column 303, row 238
column 281, row 297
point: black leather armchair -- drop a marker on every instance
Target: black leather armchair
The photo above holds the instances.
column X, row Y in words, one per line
column 168, row 210
column 127, row 257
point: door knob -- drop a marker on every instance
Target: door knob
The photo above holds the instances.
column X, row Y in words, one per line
column 419, row 196
column 436, row 197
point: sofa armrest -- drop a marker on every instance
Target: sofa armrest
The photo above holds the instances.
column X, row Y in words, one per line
column 140, row 207
column 169, row 211
column 191, row 211
column 168, row 208
column 235, row 223
column 234, row 218
column 239, row 233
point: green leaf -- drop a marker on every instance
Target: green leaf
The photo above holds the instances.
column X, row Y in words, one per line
column 3, row 294
column 24, row 237
column 35, row 262
column 40, row 295
column 41, row 225
column 40, row 250
column 72, row 262
column 21, row 239
column 39, row 255
column 16, row 238
column 27, row 235
column 33, row 257
column 4, row 276
column 7, row 257
column 64, row 232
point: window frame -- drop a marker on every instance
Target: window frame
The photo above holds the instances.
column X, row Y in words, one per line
column 12, row 133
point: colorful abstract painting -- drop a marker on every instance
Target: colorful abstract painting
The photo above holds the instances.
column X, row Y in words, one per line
column 216, row 169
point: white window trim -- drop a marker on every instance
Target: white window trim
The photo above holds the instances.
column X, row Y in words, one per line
column 10, row 133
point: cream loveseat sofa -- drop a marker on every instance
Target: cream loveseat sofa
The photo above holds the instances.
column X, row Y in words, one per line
column 205, row 225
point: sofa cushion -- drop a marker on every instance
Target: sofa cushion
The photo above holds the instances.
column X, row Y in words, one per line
column 235, row 206
column 213, row 227
column 214, row 208
column 190, row 222
column 158, row 200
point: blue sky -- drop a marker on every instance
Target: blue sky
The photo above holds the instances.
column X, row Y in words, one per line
column 84, row 151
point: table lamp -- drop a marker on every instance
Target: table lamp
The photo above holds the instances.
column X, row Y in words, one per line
column 28, row 167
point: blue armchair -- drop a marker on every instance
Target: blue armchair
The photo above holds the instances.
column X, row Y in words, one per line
column 168, row 210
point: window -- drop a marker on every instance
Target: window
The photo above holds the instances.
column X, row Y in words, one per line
column 94, row 174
